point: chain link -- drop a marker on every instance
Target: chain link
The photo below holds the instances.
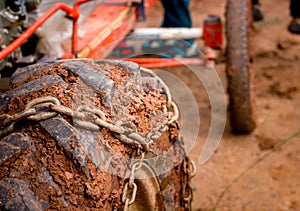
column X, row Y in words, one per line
column 189, row 170
column 48, row 107
column 130, row 184
column 66, row 111
column 42, row 102
column 129, row 200
column 175, row 116
column 135, row 167
column 90, row 109
column 18, row 116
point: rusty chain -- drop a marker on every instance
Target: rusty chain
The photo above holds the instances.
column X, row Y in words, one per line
column 48, row 107
column 189, row 170
column 130, row 186
column 175, row 116
column 128, row 201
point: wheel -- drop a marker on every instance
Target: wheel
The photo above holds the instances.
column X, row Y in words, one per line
column 82, row 135
column 238, row 69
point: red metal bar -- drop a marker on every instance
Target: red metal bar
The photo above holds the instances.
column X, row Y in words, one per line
column 72, row 13
column 164, row 62
column 75, row 26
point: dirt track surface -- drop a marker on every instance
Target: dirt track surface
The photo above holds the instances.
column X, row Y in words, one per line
column 273, row 183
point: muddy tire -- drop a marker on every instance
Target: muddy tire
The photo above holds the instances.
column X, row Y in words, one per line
column 56, row 155
column 239, row 71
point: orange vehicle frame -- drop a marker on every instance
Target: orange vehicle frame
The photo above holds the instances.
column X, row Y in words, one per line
column 126, row 19
column 108, row 24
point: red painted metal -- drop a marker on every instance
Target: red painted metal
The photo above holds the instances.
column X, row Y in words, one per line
column 109, row 41
column 101, row 25
column 100, row 41
column 107, row 25
column 32, row 29
column 117, row 33
column 116, row 22
column 164, row 62
column 75, row 25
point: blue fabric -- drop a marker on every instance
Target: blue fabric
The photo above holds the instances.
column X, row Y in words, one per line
column 177, row 14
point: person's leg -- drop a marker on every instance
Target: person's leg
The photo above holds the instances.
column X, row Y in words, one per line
column 294, row 26
column 176, row 14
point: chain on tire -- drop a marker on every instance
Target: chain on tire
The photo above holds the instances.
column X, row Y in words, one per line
column 80, row 134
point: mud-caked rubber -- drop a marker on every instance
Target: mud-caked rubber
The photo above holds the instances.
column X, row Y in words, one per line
column 55, row 164
column 239, row 69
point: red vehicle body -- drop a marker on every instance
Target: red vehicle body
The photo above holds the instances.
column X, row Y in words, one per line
column 108, row 23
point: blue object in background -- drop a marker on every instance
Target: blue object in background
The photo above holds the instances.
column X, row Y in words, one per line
column 177, row 14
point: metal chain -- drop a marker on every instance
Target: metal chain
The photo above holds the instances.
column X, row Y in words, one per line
column 48, row 107
column 16, row 117
column 175, row 116
column 42, row 102
column 187, row 190
column 34, row 112
column 125, row 199
column 130, row 188
column 189, row 170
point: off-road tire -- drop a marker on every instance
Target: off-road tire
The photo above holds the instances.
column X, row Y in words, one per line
column 239, row 69
column 53, row 164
